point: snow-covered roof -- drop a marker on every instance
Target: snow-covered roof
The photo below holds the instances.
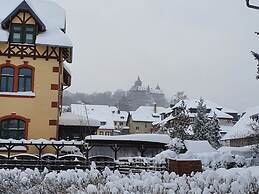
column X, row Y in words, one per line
column 229, row 110
column 120, row 116
column 243, row 127
column 226, row 128
column 219, row 114
column 198, row 146
column 104, row 113
column 156, row 91
column 193, row 103
column 70, row 119
column 40, row 141
column 147, row 114
column 67, row 68
column 156, row 138
column 49, row 12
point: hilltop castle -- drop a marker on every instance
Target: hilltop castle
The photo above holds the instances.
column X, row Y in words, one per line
column 139, row 95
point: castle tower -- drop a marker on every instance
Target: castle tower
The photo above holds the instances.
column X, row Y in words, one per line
column 33, row 49
column 138, row 83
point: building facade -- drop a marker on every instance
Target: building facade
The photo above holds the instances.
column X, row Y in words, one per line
column 33, row 50
column 142, row 120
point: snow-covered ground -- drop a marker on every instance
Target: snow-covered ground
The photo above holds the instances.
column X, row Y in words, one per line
column 236, row 180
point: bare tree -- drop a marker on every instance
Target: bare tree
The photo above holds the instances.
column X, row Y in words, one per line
column 256, row 55
column 179, row 96
column 251, row 6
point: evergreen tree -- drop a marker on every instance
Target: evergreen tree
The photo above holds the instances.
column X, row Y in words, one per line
column 213, row 133
column 180, row 123
column 201, row 120
column 255, row 127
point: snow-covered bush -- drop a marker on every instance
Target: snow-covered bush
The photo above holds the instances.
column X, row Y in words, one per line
column 236, row 180
column 167, row 154
column 215, row 160
column 177, row 145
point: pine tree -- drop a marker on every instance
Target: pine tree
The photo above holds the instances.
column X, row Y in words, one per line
column 180, row 124
column 213, row 133
column 201, row 120
column 255, row 127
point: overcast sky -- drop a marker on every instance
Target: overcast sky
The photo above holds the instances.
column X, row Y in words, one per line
column 201, row 47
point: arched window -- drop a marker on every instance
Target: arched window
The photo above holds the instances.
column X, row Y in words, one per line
column 12, row 128
column 7, row 79
column 25, row 80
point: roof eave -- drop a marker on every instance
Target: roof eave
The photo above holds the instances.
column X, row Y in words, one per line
column 23, row 6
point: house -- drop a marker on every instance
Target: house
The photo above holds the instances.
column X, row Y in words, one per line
column 112, row 120
column 34, row 52
column 141, row 120
column 226, row 120
column 76, row 127
column 245, row 131
column 145, row 145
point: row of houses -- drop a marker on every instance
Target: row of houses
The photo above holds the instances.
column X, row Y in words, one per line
column 79, row 120
column 109, row 120
column 149, row 119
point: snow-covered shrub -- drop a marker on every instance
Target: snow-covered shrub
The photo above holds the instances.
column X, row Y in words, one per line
column 236, row 180
column 176, row 145
column 215, row 160
column 163, row 156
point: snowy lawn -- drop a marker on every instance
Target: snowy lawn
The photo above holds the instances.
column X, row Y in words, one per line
column 236, row 180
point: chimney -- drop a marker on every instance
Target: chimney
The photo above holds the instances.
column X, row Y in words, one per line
column 155, row 108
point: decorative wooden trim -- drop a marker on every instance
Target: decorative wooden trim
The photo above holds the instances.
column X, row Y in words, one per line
column 54, row 86
column 55, row 69
column 53, row 122
column 23, row 7
column 14, row 116
column 54, row 104
column 32, row 51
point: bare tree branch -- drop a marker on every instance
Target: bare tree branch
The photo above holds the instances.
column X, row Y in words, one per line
column 251, row 6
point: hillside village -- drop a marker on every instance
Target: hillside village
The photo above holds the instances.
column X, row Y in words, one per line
column 142, row 144
column 110, row 121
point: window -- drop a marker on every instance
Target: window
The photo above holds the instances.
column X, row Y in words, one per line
column 12, row 128
column 25, row 80
column 103, row 123
column 101, row 132
column 17, row 34
column 7, row 79
column 16, row 78
column 107, row 133
column 23, row 33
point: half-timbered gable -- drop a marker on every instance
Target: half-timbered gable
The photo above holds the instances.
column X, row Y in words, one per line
column 33, row 49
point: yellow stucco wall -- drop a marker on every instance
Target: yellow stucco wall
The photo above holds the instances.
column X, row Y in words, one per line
column 104, row 132
column 139, row 127
column 38, row 109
